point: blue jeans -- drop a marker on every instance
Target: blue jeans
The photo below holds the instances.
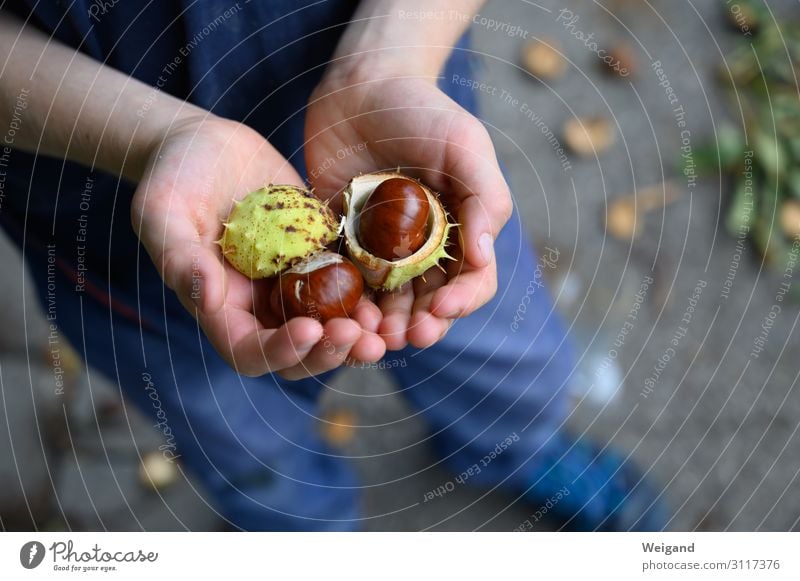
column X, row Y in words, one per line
column 253, row 441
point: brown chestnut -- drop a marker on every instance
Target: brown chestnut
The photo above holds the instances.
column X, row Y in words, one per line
column 620, row 60
column 323, row 286
column 393, row 220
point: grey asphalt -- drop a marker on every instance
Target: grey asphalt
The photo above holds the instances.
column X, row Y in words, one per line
column 714, row 425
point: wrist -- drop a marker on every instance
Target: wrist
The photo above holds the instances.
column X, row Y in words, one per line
column 400, row 38
column 156, row 126
column 381, row 64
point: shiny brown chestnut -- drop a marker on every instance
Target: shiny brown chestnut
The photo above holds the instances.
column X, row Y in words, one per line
column 324, row 286
column 393, row 220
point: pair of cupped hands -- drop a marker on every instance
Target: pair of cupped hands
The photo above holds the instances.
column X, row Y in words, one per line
column 204, row 162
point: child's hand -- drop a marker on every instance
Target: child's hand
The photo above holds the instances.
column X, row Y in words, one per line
column 185, row 195
column 361, row 125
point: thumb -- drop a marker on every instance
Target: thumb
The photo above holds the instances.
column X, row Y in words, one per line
column 479, row 184
column 196, row 275
column 482, row 214
column 188, row 264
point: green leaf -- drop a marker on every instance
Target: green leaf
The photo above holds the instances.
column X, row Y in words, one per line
column 769, row 154
column 730, row 145
column 793, row 182
column 741, row 210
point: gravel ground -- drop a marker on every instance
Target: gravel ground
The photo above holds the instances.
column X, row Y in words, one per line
column 717, row 428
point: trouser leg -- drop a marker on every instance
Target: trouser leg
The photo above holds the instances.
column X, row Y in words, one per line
column 495, row 388
column 251, row 441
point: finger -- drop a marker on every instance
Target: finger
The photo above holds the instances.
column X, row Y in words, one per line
column 189, row 265
column 329, row 353
column 368, row 315
column 370, row 347
column 424, row 287
column 478, row 229
column 424, row 328
column 253, row 350
column 396, row 308
column 477, row 181
column 197, row 277
column 465, row 293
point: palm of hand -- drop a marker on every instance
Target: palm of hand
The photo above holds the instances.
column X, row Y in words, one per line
column 178, row 210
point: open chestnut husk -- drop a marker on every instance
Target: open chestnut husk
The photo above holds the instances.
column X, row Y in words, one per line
column 391, row 269
column 323, row 286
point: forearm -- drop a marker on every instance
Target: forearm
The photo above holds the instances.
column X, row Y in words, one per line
column 65, row 104
column 396, row 37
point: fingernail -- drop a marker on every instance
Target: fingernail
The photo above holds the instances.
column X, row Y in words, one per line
column 486, row 246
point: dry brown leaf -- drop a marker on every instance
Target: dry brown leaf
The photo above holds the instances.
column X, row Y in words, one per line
column 589, row 135
column 790, row 218
column 623, row 60
column 337, row 427
column 542, row 59
column 156, row 472
column 625, row 215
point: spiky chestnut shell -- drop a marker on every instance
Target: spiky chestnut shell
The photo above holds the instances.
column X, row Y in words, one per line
column 392, row 274
column 323, row 286
column 275, row 227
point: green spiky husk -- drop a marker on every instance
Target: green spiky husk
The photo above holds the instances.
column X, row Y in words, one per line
column 275, row 227
column 397, row 277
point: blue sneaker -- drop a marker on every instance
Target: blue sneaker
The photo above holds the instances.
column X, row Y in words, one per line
column 582, row 488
